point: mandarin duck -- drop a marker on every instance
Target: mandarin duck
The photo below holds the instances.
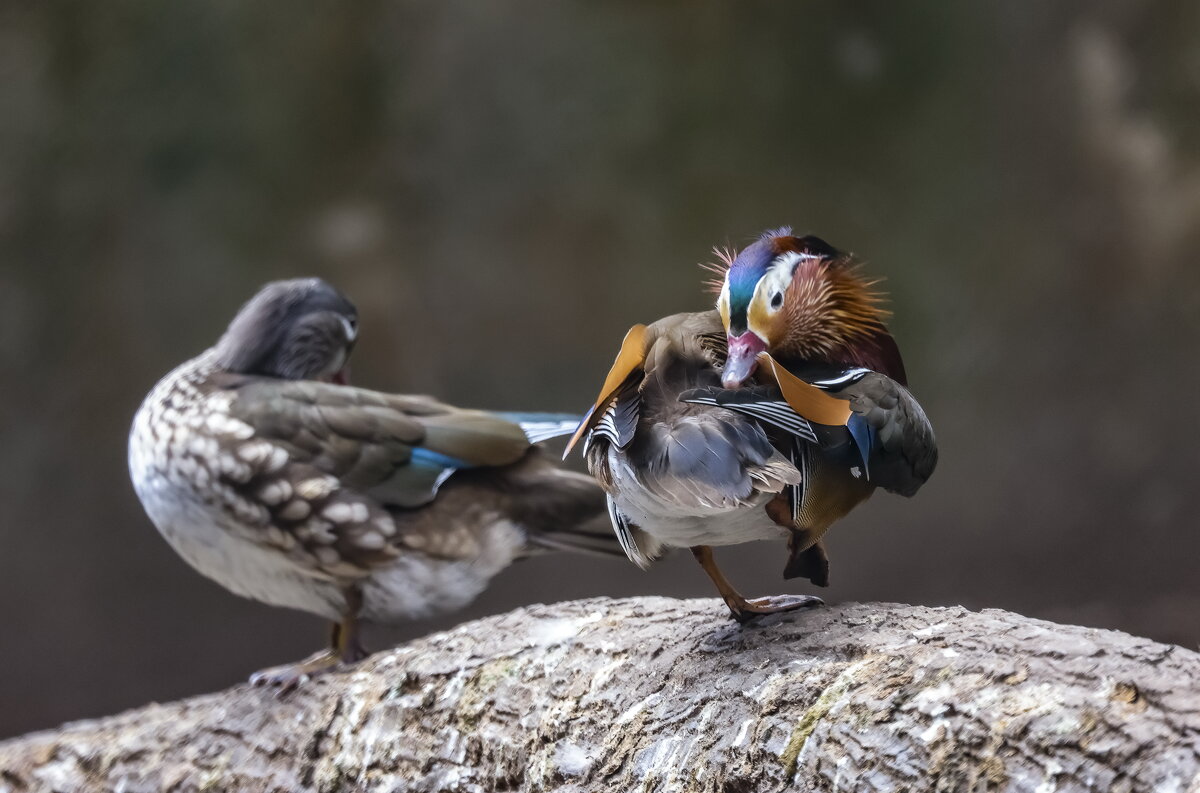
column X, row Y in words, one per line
column 770, row 417
column 271, row 476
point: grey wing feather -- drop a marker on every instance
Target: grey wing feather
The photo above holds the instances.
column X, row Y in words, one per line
column 714, row 460
column 689, row 455
column 906, row 453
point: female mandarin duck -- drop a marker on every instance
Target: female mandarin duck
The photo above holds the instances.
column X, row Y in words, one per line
column 769, row 418
column 271, row 476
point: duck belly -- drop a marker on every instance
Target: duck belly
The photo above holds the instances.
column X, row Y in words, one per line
column 417, row 585
column 680, row 527
column 247, row 568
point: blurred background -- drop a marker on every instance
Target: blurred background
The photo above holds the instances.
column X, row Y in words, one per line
column 504, row 188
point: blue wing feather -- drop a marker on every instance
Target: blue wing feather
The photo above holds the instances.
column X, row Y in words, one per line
column 431, row 459
column 864, row 438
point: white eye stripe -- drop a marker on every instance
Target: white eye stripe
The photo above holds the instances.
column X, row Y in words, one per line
column 791, row 258
column 777, row 279
column 351, row 329
column 787, row 259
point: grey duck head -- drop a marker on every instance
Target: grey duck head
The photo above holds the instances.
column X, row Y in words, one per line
column 302, row 329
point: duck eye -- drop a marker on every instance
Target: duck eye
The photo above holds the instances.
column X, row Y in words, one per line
column 776, row 301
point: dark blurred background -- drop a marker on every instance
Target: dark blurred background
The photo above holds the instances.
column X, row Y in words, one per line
column 504, row 188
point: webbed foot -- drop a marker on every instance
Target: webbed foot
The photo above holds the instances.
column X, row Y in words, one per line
column 345, row 650
column 743, row 610
column 289, row 677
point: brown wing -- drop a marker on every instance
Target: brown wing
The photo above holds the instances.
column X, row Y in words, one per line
column 384, row 444
column 328, row 468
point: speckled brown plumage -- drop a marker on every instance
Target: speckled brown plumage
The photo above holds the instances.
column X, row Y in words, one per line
column 270, row 476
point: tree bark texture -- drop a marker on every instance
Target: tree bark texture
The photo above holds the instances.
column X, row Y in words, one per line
column 654, row 694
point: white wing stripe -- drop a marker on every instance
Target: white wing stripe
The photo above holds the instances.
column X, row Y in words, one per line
column 538, row 431
column 606, row 428
column 777, row 414
column 796, row 493
column 845, row 378
column 625, row 536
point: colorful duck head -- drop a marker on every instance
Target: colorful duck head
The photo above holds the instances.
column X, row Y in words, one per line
column 800, row 298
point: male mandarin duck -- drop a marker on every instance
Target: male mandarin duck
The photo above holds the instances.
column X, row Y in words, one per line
column 770, row 417
column 270, row 475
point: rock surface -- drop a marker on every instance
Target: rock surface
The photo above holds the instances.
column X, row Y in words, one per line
column 654, row 694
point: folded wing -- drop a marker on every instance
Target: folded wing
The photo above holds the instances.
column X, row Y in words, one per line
column 397, row 449
column 890, row 428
